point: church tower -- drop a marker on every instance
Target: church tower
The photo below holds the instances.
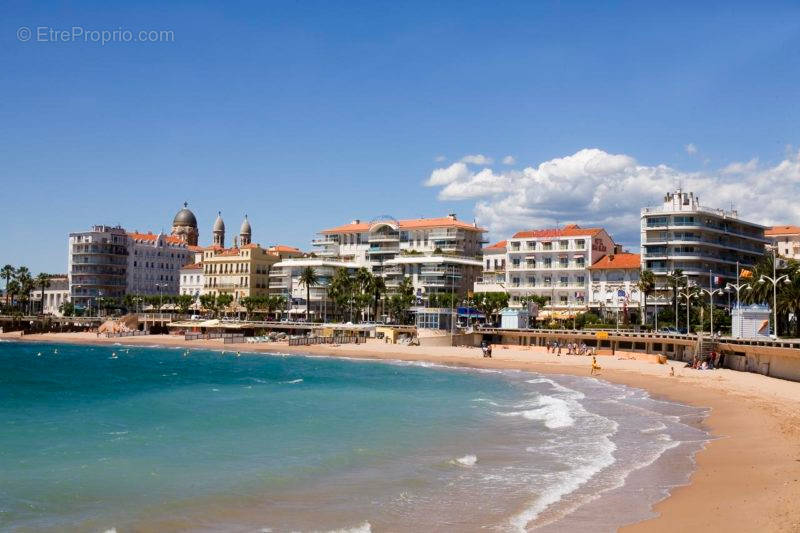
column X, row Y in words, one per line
column 245, row 232
column 184, row 226
column 219, row 231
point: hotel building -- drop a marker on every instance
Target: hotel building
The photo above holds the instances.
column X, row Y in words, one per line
column 614, row 283
column 683, row 234
column 554, row 263
column 97, row 265
column 154, row 263
column 441, row 255
column 493, row 277
column 786, row 239
column 192, row 280
column 284, row 279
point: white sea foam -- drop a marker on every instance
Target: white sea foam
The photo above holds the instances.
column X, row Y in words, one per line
column 661, row 426
column 467, row 460
column 290, row 382
column 362, row 528
column 554, row 412
column 486, row 400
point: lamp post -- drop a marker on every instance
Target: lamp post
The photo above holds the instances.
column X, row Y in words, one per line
column 774, row 280
column 711, row 291
column 688, row 293
column 160, row 295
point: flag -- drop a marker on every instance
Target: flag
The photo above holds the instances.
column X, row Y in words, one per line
column 746, row 273
column 717, row 281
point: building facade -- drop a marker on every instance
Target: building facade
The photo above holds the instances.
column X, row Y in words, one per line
column 54, row 296
column 97, row 265
column 554, row 263
column 614, row 286
column 681, row 234
column 285, row 280
column 441, row 255
column 493, row 277
column 240, row 272
column 154, row 263
column 184, row 226
column 192, row 280
column 786, row 239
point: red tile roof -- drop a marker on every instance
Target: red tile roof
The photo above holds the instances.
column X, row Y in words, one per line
column 623, row 260
column 172, row 239
column 570, row 230
column 192, row 266
column 501, row 245
column 415, row 223
column 782, row 230
column 284, row 248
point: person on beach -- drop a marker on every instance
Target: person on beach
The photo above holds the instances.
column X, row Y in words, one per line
column 489, row 351
column 595, row 367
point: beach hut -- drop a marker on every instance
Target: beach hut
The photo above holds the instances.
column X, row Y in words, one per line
column 513, row 318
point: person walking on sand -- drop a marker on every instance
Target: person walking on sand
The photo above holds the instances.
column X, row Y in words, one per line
column 489, row 351
column 595, row 367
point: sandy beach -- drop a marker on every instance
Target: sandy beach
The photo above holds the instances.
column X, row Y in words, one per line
column 747, row 478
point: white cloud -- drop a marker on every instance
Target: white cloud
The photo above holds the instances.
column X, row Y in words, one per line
column 594, row 188
column 477, row 159
column 509, row 160
column 440, row 158
column 691, row 149
column 443, row 176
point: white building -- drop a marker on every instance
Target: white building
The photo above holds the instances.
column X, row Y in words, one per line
column 493, row 277
column 284, row 279
column 554, row 263
column 786, row 239
column 192, row 279
column 683, row 234
column 614, row 284
column 97, row 265
column 154, row 263
column 54, row 295
column 441, row 255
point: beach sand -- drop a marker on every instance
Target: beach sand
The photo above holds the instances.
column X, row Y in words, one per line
column 747, row 478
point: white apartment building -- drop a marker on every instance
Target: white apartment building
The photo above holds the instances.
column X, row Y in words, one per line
column 284, row 279
column 97, row 265
column 493, row 277
column 154, row 263
column 192, row 280
column 554, row 263
column 441, row 255
column 683, row 234
column 54, row 295
column 614, row 284
column 786, row 239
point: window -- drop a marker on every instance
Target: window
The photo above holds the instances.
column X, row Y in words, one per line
column 580, row 244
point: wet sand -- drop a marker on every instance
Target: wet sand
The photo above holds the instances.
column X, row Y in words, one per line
column 747, row 479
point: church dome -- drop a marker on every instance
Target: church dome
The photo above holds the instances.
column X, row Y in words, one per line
column 219, row 225
column 185, row 217
column 245, row 229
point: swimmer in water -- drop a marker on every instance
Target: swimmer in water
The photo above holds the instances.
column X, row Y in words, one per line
column 238, row 354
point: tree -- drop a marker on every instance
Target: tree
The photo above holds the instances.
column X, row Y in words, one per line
column 67, row 308
column 340, row 289
column 378, row 289
column 7, row 272
column 489, row 303
column 249, row 303
column 364, row 280
column 13, row 289
column 43, row 282
column 646, row 285
column 209, row 303
column 26, row 284
column 308, row 277
column 224, row 300
column 401, row 300
column 184, row 301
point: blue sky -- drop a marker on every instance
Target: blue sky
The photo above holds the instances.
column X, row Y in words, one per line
column 308, row 114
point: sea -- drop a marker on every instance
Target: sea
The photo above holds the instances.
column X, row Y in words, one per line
column 131, row 438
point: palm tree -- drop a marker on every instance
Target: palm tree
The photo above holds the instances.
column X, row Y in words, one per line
column 364, row 281
column 646, row 284
column 13, row 289
column 378, row 288
column 7, row 272
column 26, row 284
column 308, row 277
column 339, row 289
column 43, row 281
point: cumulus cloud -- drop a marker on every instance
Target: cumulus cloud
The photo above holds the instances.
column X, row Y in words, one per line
column 691, row 149
column 476, row 159
column 594, row 188
column 509, row 160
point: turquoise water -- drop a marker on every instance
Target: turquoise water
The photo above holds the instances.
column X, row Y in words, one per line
column 152, row 439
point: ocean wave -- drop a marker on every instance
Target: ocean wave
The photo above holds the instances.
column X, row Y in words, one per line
column 467, row 460
column 292, row 381
column 572, row 393
column 486, row 400
column 554, row 412
column 660, row 427
column 366, row 527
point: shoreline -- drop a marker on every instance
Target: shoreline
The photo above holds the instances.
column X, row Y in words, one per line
column 746, row 479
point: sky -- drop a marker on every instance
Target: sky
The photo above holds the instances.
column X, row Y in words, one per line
column 306, row 115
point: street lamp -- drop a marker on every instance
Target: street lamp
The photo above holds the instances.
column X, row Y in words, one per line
column 774, row 280
column 688, row 293
column 160, row 295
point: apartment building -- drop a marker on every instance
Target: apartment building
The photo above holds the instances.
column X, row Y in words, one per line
column 154, row 263
column 284, row 279
column 614, row 284
column 683, row 234
column 192, row 279
column 786, row 239
column 97, row 265
column 493, row 276
column 240, row 272
column 441, row 255
column 554, row 263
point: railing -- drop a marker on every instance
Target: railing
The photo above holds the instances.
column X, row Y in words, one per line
column 135, row 333
column 309, row 341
